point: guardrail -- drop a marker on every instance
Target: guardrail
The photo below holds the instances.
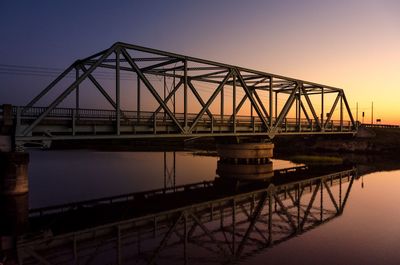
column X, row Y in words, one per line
column 148, row 116
column 366, row 125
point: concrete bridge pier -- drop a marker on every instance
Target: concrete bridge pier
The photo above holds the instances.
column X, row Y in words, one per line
column 13, row 202
column 245, row 161
column 14, row 173
column 13, row 189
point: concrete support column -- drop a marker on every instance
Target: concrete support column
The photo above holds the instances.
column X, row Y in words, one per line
column 14, row 206
column 245, row 161
column 14, row 173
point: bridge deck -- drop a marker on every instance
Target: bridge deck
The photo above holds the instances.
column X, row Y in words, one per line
column 69, row 123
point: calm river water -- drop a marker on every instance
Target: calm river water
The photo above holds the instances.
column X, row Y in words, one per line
column 367, row 231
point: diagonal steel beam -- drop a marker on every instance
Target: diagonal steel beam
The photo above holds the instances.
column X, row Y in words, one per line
column 250, row 96
column 285, row 211
column 254, row 219
column 210, row 100
column 151, row 88
column 171, row 94
column 210, row 74
column 241, row 102
column 285, row 108
column 49, row 87
column 261, row 104
column 198, row 97
column 347, row 194
column 348, row 110
column 309, row 207
column 101, row 89
column 207, row 232
column 151, row 67
column 332, row 109
column 66, row 92
column 310, row 105
column 305, row 112
column 164, row 241
column 98, row 86
column 331, row 196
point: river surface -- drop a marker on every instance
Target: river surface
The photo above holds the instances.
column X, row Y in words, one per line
column 366, row 232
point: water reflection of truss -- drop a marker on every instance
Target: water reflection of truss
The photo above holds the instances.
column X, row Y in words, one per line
column 215, row 231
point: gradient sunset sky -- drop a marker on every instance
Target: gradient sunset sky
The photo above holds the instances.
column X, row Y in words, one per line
column 353, row 45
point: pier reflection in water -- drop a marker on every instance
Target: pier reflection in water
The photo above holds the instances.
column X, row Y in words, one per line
column 207, row 222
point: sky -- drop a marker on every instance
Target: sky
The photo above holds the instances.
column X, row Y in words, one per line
column 351, row 44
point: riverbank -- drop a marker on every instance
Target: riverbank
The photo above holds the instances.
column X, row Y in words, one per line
column 367, row 141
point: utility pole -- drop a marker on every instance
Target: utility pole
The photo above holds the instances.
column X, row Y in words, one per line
column 357, row 112
column 372, row 113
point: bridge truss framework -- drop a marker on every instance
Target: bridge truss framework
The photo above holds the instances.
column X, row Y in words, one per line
column 268, row 117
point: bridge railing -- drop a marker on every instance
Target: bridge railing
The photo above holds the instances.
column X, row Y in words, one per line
column 368, row 125
column 288, row 124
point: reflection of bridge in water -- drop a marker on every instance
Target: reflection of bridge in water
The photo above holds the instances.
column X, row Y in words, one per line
column 205, row 222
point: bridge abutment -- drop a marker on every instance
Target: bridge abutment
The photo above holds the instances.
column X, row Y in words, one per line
column 14, row 173
column 245, row 161
column 13, row 201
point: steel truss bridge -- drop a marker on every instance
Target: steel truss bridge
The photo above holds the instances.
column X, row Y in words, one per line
column 229, row 228
column 166, row 99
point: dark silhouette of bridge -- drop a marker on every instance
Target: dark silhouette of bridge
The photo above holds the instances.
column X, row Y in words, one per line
column 170, row 101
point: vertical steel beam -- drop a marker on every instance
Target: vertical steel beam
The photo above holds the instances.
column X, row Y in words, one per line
column 164, row 95
column 270, row 102
column 321, row 202
column 348, row 110
column 234, row 102
column 341, row 111
column 117, row 91
column 77, row 89
column 185, row 99
column 222, row 105
column 322, row 109
column 74, row 121
column 165, row 170
column 138, row 99
column 270, row 210
column 276, row 105
column 174, row 104
column 119, row 246
column 299, row 106
column 185, row 237
column 174, row 170
column 233, row 227
column 297, row 110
